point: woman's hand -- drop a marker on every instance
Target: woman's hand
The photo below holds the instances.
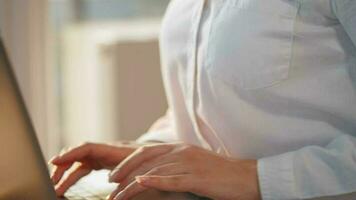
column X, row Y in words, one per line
column 81, row 160
column 185, row 168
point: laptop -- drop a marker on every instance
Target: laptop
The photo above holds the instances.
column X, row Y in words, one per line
column 23, row 171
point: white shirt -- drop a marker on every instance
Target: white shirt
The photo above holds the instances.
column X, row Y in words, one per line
column 273, row 80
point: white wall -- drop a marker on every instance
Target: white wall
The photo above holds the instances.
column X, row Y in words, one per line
column 24, row 30
column 111, row 80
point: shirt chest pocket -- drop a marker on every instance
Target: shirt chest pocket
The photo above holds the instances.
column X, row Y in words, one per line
column 250, row 44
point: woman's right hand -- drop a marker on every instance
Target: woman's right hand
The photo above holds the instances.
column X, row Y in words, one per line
column 81, row 160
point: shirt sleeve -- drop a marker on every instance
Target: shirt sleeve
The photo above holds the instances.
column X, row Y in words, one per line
column 311, row 172
column 161, row 131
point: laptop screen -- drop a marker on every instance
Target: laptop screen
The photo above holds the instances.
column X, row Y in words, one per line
column 23, row 173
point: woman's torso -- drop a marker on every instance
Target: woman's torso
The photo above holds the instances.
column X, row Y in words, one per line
column 253, row 78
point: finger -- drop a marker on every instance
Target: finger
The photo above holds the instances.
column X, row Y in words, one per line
column 136, row 159
column 75, row 154
column 133, row 189
column 110, row 154
column 74, row 175
column 58, row 172
column 169, row 170
column 146, row 167
column 163, row 170
column 63, row 151
column 114, row 193
column 174, row 183
column 130, row 191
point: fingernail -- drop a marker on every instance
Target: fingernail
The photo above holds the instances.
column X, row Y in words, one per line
column 110, row 197
column 52, row 159
column 58, row 190
column 113, row 174
column 52, row 176
column 142, row 179
column 119, row 196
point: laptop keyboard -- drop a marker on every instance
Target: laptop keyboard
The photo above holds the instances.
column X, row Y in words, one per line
column 96, row 187
column 84, row 193
column 93, row 187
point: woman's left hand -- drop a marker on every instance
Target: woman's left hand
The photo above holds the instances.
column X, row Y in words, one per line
column 185, row 168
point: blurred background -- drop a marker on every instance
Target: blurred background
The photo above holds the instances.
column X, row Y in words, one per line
column 89, row 69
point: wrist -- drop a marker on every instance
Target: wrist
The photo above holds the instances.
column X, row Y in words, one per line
column 251, row 166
